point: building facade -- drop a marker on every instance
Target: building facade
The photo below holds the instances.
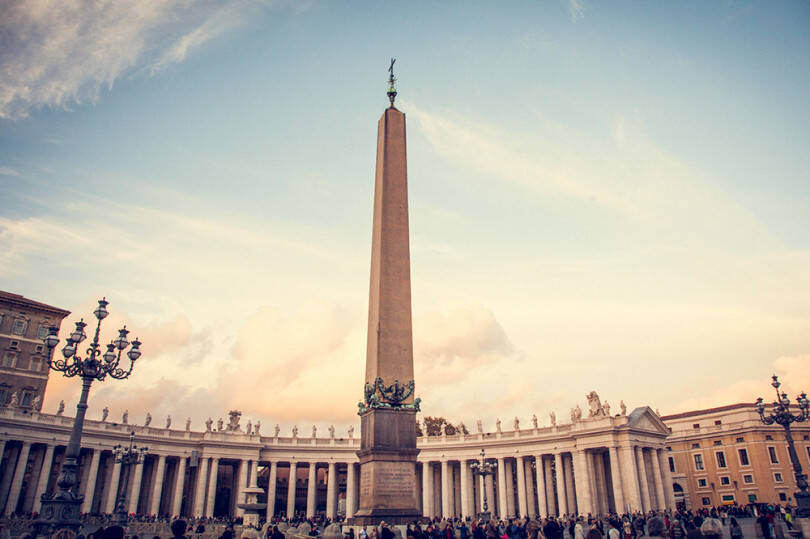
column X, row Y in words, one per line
column 591, row 465
column 726, row 455
column 24, row 368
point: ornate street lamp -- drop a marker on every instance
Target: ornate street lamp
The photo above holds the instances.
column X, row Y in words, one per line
column 783, row 416
column 61, row 508
column 483, row 468
column 127, row 456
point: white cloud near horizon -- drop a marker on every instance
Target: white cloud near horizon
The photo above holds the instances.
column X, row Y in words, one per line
column 58, row 53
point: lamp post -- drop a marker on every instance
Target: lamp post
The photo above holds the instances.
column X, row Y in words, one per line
column 483, row 468
column 60, row 509
column 783, row 416
column 127, row 456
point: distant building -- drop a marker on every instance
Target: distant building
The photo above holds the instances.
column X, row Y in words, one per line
column 725, row 455
column 23, row 356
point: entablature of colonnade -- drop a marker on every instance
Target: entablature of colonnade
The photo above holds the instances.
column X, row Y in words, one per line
column 641, row 427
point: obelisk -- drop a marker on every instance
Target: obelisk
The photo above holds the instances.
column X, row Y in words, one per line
column 388, row 411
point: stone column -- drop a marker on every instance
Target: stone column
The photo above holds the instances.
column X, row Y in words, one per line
column 179, row 483
column 19, row 474
column 271, row 490
column 427, row 490
column 351, row 490
column 244, row 470
column 254, row 474
column 523, row 509
column 489, row 487
column 311, row 481
column 583, row 482
column 157, row 486
column 331, row 491
column 510, row 488
column 658, row 480
column 445, row 491
column 199, row 490
column 464, row 468
column 669, row 493
column 562, row 499
column 212, row 488
column 44, row 475
column 503, row 509
column 90, row 484
column 551, row 500
column 616, row 479
column 595, row 492
column 570, row 494
column 642, row 479
column 630, row 478
column 112, row 488
column 531, row 501
column 600, row 482
column 291, row 483
column 135, row 493
column 539, row 468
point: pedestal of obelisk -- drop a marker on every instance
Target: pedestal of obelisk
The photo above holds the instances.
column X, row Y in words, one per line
column 388, row 412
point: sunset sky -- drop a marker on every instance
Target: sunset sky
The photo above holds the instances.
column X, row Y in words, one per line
column 609, row 196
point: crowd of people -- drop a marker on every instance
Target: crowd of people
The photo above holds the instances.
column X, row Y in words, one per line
column 704, row 523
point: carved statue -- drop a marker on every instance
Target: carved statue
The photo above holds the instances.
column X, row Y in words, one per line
column 188, row 424
column 14, row 402
column 576, row 414
column 517, row 423
column 594, row 404
column 168, row 421
column 553, row 418
column 249, row 428
column 606, row 408
column 148, row 419
column 351, row 432
column 623, row 407
column 35, row 402
column 125, row 417
column 61, row 409
column 277, row 429
column 295, row 431
column 534, row 420
column 257, row 428
column 314, row 431
column 498, row 425
column 479, row 425
column 657, row 412
column 233, row 420
column 220, row 425
column 332, row 431
column 208, row 423
column 104, row 413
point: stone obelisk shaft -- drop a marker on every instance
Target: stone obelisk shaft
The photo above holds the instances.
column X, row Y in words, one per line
column 389, row 353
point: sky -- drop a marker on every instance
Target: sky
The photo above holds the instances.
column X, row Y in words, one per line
column 603, row 196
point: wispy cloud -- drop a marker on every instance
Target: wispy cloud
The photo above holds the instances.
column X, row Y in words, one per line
column 575, row 9
column 57, row 53
column 8, row 171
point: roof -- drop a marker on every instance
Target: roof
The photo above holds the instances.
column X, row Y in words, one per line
column 726, row 408
column 21, row 301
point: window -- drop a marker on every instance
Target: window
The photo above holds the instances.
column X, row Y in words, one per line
column 808, row 452
column 695, row 425
column 768, row 437
column 35, row 364
column 695, row 446
column 672, row 464
column 728, row 497
column 702, row 483
column 706, row 500
column 718, row 422
column 718, row 442
column 740, row 440
column 725, row 480
column 15, row 345
column 19, row 327
column 777, row 477
column 698, row 462
column 772, row 455
column 38, row 349
column 3, row 395
column 782, row 497
column 42, row 332
column 743, row 457
column 10, row 359
column 721, row 459
column 27, row 397
column 748, row 479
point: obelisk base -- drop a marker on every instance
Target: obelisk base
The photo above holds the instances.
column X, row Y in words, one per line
column 387, row 468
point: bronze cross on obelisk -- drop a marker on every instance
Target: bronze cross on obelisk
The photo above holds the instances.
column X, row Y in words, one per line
column 392, row 91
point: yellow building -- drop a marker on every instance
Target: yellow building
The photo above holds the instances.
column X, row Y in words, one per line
column 726, row 455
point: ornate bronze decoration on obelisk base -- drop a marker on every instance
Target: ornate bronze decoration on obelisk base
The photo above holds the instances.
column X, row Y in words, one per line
column 388, row 411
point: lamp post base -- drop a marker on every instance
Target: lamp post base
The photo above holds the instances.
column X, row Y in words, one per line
column 59, row 513
column 802, row 505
